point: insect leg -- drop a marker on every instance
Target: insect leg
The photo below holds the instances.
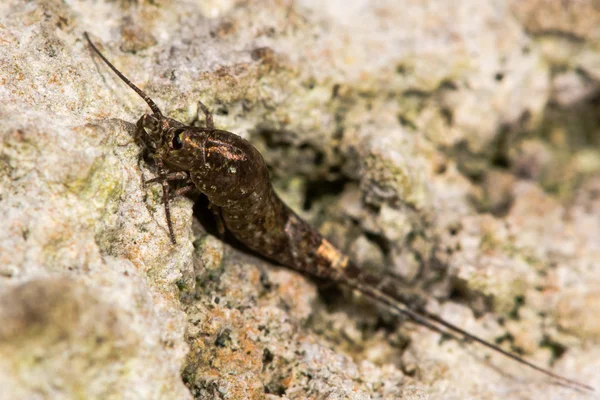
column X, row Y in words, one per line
column 207, row 115
column 162, row 178
column 183, row 190
column 174, row 176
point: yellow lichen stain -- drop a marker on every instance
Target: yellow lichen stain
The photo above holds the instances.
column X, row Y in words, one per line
column 54, row 79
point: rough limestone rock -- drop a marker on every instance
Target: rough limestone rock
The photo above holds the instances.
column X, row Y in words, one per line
column 455, row 145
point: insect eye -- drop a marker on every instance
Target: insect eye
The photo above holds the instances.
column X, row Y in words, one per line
column 177, row 143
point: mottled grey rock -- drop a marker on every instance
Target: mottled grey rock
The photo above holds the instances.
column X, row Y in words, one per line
column 454, row 145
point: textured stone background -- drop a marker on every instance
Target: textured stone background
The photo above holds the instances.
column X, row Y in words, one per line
column 455, row 145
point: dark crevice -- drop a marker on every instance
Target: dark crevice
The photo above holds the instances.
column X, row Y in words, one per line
column 447, row 84
column 461, row 293
column 557, row 349
column 381, row 242
column 276, row 138
column 388, row 325
column 223, row 338
column 275, row 387
column 470, row 165
column 331, row 295
column 509, row 338
column 316, row 190
column 416, row 93
column 569, row 36
column 222, row 111
column 500, row 157
column 447, row 115
column 401, row 69
column 407, row 122
column 497, row 160
column 288, row 155
column 335, row 90
column 514, row 313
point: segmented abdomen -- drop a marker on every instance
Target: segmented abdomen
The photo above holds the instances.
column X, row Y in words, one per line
column 263, row 223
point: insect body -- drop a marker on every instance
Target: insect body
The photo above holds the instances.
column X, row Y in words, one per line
column 234, row 177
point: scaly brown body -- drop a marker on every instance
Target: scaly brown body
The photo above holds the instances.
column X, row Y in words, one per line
column 233, row 175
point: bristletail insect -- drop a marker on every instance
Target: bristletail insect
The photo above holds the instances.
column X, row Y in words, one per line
column 232, row 174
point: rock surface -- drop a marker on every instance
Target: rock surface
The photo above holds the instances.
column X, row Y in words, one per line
column 455, row 145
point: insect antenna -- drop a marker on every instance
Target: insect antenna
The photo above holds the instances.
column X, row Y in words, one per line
column 139, row 91
column 162, row 175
